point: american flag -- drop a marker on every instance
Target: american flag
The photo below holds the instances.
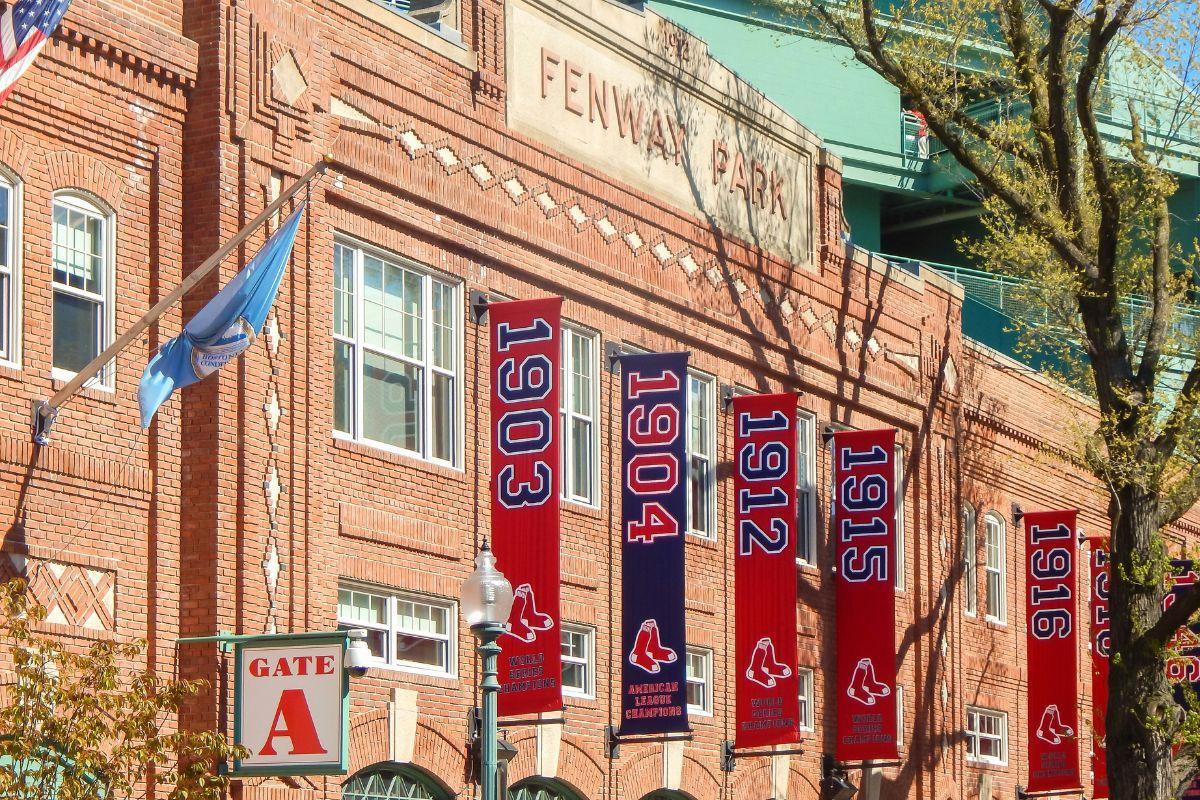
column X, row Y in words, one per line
column 24, row 28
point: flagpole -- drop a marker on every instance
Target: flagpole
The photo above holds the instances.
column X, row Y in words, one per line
column 45, row 411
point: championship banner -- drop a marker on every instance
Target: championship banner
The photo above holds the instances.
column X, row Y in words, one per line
column 653, row 520
column 865, row 518
column 526, row 473
column 1183, row 667
column 764, row 483
column 1053, row 654
column 1101, row 647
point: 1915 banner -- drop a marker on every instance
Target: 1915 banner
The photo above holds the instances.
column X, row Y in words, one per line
column 1053, row 650
column 525, row 488
column 865, row 546
column 764, row 485
column 1101, row 648
column 653, row 520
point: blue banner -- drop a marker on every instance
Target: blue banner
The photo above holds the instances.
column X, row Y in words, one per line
column 653, row 521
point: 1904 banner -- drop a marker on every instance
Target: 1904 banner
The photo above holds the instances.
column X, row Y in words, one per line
column 1053, row 650
column 526, row 468
column 865, row 542
column 764, row 485
column 653, row 520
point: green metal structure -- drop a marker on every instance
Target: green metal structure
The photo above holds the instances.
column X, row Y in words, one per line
column 392, row 782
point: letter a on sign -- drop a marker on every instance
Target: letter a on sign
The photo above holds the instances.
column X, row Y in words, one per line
column 291, row 706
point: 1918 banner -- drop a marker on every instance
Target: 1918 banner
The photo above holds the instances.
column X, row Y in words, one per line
column 525, row 489
column 1101, row 646
column 865, row 543
column 653, row 520
column 764, row 485
column 1053, row 650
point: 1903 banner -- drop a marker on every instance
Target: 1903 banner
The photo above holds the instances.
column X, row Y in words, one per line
column 764, row 485
column 653, row 520
column 1053, row 650
column 526, row 472
column 865, row 541
column 1101, row 647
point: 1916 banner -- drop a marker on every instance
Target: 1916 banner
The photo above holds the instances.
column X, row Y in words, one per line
column 1053, row 648
column 865, row 546
column 653, row 520
column 764, row 485
column 525, row 507
column 1101, row 647
column 1183, row 667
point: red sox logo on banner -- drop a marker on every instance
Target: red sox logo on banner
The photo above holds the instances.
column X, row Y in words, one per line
column 768, row 704
column 1101, row 648
column 526, row 460
column 1052, row 645
column 865, row 542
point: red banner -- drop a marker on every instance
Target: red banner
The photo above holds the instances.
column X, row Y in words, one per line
column 1100, row 647
column 526, row 474
column 865, row 516
column 764, row 483
column 1053, row 651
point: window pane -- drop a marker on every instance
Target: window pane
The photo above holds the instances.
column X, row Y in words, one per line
column 5, row 222
column 443, row 326
column 76, row 331
column 442, row 444
column 695, row 694
column 574, row 676
column 343, row 291
column 373, row 302
column 804, row 534
column 391, row 402
column 420, row 650
column 343, row 386
column 5, row 317
column 701, row 485
column 415, row 617
column 581, row 468
column 582, row 367
column 413, row 308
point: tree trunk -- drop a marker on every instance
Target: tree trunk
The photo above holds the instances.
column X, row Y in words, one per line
column 1140, row 700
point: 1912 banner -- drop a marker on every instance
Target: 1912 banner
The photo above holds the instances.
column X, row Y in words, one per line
column 1053, row 650
column 764, row 485
column 653, row 521
column 865, row 546
column 1101, row 648
column 526, row 472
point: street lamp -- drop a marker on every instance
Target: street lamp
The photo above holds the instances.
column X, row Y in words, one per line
column 487, row 598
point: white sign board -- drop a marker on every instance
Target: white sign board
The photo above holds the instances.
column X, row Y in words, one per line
column 291, row 706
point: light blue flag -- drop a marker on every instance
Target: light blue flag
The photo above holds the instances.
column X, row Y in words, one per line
column 224, row 328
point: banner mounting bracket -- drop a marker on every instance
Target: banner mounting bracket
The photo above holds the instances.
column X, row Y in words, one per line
column 479, row 301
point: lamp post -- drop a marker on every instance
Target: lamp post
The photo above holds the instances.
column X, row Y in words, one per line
column 487, row 599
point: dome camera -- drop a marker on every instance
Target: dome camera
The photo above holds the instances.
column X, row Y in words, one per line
column 358, row 655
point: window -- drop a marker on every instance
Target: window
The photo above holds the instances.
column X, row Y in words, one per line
column 82, row 268
column 702, row 509
column 410, row 632
column 806, row 479
column 994, row 544
column 699, row 681
column 393, row 782
column 987, row 735
column 441, row 15
column 10, row 279
column 396, row 333
column 970, row 588
column 901, row 491
column 899, row 716
column 578, row 670
column 804, row 678
column 580, row 397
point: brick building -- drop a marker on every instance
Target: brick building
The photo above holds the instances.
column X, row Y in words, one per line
column 338, row 472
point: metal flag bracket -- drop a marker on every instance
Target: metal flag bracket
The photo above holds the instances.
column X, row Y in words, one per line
column 730, row 754
column 613, row 740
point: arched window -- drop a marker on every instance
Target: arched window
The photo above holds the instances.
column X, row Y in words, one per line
column 392, row 782
column 82, row 264
column 667, row 794
column 542, row 789
column 970, row 589
column 10, row 267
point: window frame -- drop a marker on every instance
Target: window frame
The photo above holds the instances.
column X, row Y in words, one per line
column 805, row 684
column 392, row 628
column 970, row 523
column 10, row 338
column 711, row 457
column 706, row 654
column 899, row 715
column 806, row 529
column 83, row 202
column 1000, row 617
column 356, row 342
column 588, row 661
column 973, row 735
column 450, row 32
column 565, row 414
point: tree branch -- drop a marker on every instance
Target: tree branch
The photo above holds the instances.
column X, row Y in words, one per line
column 1181, row 611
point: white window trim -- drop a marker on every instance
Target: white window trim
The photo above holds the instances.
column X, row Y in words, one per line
column 1000, row 618
column 588, row 661
column 356, row 342
column 707, row 654
column 899, row 716
column 392, row 596
column 81, row 201
column 977, row 759
column 15, row 187
column 901, row 493
column 970, row 583
column 806, row 678
column 810, row 529
column 710, row 383
column 566, row 414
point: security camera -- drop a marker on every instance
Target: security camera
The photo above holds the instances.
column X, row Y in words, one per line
column 358, row 655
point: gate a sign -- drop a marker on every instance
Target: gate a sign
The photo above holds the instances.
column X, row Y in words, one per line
column 291, row 706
